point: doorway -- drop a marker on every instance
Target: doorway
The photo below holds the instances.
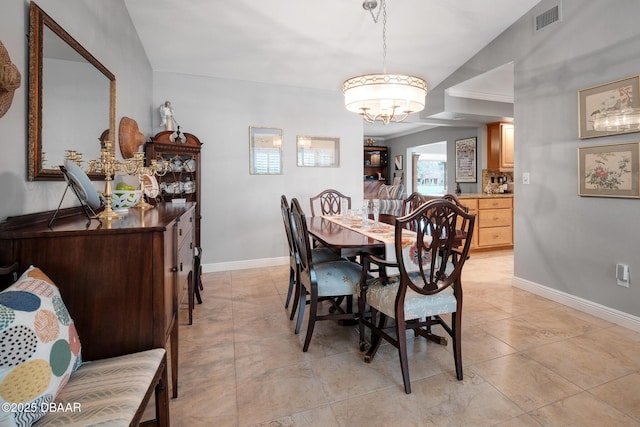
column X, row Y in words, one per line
column 429, row 168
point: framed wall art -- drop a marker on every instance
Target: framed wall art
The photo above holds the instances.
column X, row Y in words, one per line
column 265, row 151
column 609, row 109
column 466, row 167
column 398, row 162
column 609, row 170
column 318, row 151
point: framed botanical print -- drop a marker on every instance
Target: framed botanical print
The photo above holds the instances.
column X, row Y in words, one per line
column 609, row 109
column 609, row 170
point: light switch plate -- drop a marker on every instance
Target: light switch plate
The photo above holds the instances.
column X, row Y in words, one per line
column 525, row 178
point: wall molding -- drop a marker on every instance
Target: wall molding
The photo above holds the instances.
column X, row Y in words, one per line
column 589, row 307
column 241, row 265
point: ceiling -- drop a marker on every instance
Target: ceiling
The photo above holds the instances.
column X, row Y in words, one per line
column 320, row 44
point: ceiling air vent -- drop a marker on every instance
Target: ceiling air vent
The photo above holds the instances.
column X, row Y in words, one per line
column 547, row 18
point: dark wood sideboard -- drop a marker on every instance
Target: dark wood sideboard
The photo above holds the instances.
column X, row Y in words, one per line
column 121, row 280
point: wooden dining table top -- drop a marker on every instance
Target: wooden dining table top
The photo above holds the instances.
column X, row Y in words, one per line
column 341, row 239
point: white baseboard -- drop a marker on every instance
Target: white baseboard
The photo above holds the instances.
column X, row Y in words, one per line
column 589, row 307
column 241, row 265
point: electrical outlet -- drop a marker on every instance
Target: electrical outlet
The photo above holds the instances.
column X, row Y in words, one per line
column 525, row 178
column 622, row 275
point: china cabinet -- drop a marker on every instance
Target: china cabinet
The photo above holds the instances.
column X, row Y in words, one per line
column 181, row 182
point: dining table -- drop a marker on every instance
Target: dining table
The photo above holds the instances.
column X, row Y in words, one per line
column 343, row 240
column 350, row 236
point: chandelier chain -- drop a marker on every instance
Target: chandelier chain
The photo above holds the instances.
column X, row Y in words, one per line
column 384, row 36
column 384, row 97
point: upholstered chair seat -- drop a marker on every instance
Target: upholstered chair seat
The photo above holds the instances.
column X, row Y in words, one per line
column 382, row 295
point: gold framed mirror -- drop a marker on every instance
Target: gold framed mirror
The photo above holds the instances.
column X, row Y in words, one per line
column 71, row 99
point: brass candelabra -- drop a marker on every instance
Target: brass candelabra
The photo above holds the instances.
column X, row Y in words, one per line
column 108, row 165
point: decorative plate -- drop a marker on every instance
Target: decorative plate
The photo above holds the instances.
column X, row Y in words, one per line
column 150, row 186
column 82, row 184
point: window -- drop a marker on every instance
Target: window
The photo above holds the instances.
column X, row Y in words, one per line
column 430, row 169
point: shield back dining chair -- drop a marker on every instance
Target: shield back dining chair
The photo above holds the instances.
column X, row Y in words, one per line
column 412, row 202
column 327, row 281
column 329, row 202
column 318, row 255
column 428, row 285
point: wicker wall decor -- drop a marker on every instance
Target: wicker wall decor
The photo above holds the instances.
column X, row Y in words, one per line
column 9, row 80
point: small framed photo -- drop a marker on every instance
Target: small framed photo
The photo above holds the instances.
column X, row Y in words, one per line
column 609, row 109
column 265, row 151
column 609, row 170
column 466, row 167
column 318, row 151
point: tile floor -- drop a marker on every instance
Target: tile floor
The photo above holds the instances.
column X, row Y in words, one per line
column 527, row 362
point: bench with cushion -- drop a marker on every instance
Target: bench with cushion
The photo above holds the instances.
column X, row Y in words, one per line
column 43, row 379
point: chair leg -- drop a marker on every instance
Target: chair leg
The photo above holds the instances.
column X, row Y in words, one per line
column 302, row 302
column 197, row 271
column 402, row 353
column 191, row 292
column 349, row 303
column 162, row 397
column 456, row 319
column 313, row 311
column 375, row 338
column 198, row 286
column 291, row 284
column 296, row 297
column 361, row 310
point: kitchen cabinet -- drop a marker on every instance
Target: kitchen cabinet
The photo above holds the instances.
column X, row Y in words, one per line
column 500, row 147
column 494, row 221
column 472, row 204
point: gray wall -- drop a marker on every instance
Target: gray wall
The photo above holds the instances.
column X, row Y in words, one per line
column 104, row 29
column 563, row 242
column 241, row 223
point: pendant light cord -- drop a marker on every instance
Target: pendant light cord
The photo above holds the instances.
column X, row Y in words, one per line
column 384, row 36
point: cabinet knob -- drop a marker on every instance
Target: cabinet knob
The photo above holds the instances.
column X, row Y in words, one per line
column 174, row 269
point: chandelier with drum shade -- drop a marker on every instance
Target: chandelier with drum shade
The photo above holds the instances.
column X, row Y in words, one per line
column 384, row 97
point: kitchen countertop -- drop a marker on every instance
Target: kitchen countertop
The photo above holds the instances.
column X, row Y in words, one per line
column 483, row 195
